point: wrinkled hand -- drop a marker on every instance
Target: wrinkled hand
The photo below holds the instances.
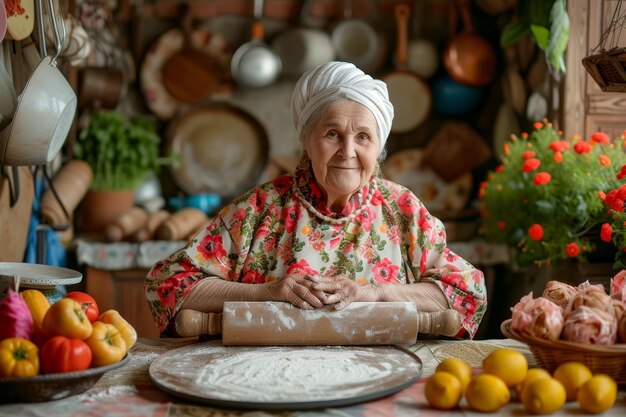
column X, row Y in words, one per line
column 342, row 290
column 296, row 290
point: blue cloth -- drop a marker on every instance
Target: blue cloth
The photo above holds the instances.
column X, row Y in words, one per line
column 54, row 250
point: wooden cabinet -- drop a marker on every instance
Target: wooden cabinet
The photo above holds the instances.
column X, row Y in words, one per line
column 586, row 108
column 123, row 291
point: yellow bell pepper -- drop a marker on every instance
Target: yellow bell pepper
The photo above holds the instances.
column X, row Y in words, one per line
column 38, row 305
column 115, row 318
column 106, row 343
column 18, row 358
column 67, row 318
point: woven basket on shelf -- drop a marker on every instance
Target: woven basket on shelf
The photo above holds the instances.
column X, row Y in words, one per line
column 608, row 69
column 605, row 359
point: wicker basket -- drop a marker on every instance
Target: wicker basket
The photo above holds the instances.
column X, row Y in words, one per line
column 608, row 69
column 605, row 359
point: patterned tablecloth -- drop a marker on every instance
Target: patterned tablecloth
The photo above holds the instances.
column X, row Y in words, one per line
column 127, row 255
column 128, row 391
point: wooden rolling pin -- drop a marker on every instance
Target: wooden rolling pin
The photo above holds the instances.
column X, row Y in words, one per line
column 244, row 323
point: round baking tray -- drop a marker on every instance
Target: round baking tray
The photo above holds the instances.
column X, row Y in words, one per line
column 191, row 373
column 38, row 275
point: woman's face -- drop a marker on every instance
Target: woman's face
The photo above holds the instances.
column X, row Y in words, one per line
column 343, row 147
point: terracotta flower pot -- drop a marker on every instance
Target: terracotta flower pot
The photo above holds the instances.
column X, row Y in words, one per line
column 100, row 208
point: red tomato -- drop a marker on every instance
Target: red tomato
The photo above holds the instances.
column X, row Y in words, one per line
column 88, row 303
column 62, row 354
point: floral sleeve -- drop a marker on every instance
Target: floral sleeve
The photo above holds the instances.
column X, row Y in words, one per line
column 431, row 260
column 169, row 281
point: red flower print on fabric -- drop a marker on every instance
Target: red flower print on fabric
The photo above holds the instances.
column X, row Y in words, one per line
column 301, row 267
column 253, row 277
column 407, row 204
column 385, row 271
column 424, row 222
column 365, row 218
column 290, row 215
column 211, row 247
column 283, row 184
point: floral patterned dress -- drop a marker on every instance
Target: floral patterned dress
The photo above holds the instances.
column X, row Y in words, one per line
column 383, row 235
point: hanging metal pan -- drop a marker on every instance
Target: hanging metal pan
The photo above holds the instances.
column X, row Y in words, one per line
column 223, row 149
column 469, row 58
column 409, row 95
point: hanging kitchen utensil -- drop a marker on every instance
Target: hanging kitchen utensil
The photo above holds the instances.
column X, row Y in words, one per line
column 9, row 98
column 468, row 57
column 423, row 57
column 16, row 212
column 3, row 20
column 223, row 149
column 255, row 64
column 158, row 99
column 356, row 41
column 451, row 99
column 20, row 19
column 409, row 95
column 45, row 110
column 191, row 74
column 303, row 48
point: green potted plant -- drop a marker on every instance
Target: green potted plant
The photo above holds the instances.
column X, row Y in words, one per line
column 121, row 151
column 546, row 199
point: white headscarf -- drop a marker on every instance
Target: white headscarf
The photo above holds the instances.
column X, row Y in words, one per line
column 329, row 81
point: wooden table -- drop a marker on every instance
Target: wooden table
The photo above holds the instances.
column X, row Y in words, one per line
column 128, row 391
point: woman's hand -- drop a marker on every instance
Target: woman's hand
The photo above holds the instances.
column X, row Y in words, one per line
column 342, row 290
column 296, row 290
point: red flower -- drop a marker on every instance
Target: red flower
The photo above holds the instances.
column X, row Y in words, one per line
column 572, row 250
column 615, row 198
column 605, row 232
column 500, row 168
column 600, row 137
column 537, row 125
column 558, row 157
column 527, row 155
column 531, row 164
column 582, row 147
column 542, row 178
column 535, row 232
column 501, row 224
column 622, row 172
column 604, row 160
column 559, row 145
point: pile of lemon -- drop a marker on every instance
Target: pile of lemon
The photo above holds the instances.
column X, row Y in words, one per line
column 507, row 369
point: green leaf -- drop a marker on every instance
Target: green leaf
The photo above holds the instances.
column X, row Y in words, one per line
column 541, row 35
column 513, row 31
column 559, row 36
column 539, row 12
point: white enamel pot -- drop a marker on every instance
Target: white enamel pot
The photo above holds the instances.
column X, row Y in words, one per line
column 44, row 114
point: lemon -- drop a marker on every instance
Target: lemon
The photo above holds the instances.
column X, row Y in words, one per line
column 487, row 393
column 457, row 367
column 572, row 375
column 507, row 364
column 443, row 390
column 543, row 396
column 598, row 394
column 532, row 375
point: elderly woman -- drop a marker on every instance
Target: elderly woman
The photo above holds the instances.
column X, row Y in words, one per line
column 333, row 233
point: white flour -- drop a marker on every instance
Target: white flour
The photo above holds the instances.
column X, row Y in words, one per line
column 284, row 374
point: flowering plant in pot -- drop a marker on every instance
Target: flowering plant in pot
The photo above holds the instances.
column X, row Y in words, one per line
column 546, row 198
column 614, row 229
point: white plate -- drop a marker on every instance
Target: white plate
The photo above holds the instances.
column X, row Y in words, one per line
column 39, row 276
column 284, row 377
